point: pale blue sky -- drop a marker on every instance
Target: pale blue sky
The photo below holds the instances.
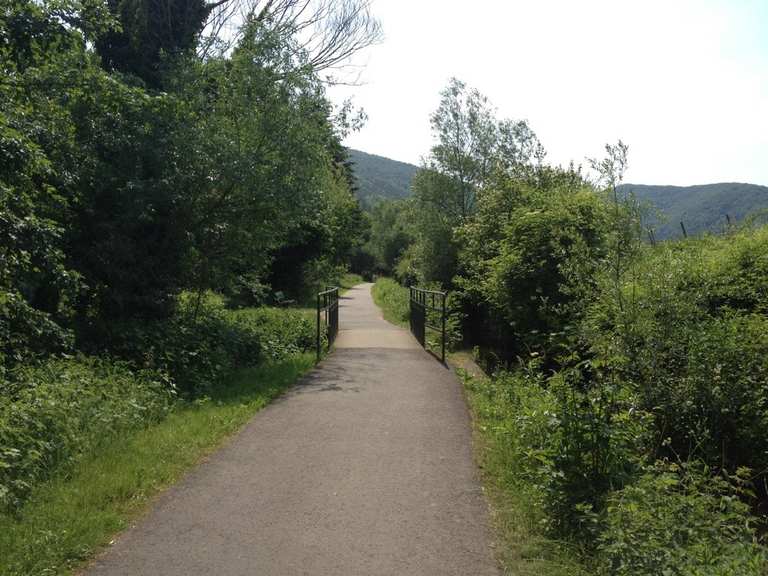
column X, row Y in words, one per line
column 683, row 82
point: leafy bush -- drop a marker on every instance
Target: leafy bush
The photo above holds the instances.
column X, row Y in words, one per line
column 601, row 443
column 567, row 447
column 393, row 299
column 53, row 413
column 582, row 477
column 204, row 341
column 671, row 362
column 680, row 520
column 691, row 338
column 281, row 332
column 528, row 259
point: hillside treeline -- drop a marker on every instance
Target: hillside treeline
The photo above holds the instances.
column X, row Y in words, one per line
column 629, row 402
column 162, row 164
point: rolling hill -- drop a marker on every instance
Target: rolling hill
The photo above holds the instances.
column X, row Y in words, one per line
column 702, row 208
column 379, row 177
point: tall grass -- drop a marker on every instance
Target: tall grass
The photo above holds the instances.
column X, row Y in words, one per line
column 522, row 548
column 70, row 517
column 392, row 299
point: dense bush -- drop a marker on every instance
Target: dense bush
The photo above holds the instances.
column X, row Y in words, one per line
column 584, row 479
column 680, row 520
column 691, row 339
column 671, row 365
column 280, row 331
column 205, row 341
column 393, row 299
column 528, row 258
column 53, row 413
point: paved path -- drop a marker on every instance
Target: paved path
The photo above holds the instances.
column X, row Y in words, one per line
column 363, row 469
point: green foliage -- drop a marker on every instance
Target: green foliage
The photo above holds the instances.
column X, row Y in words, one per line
column 629, row 354
column 390, row 233
column 703, row 208
column 529, row 256
column 204, row 341
column 681, row 520
column 393, row 299
column 379, row 179
column 691, row 339
column 114, row 199
column 281, row 332
column 150, row 32
column 72, row 516
column 52, row 414
column 36, row 284
column 580, row 477
column 473, row 150
column 517, row 424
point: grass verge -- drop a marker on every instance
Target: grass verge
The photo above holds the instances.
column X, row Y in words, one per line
column 348, row 281
column 392, row 299
column 69, row 518
column 521, row 548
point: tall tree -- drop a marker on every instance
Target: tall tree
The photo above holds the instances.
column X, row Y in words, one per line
column 473, row 149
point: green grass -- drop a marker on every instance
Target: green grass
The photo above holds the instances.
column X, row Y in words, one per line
column 392, row 299
column 521, row 548
column 346, row 281
column 349, row 280
column 69, row 518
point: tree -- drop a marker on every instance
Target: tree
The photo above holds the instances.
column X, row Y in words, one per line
column 149, row 31
column 329, row 32
column 390, row 233
column 473, row 150
column 116, row 197
column 37, row 286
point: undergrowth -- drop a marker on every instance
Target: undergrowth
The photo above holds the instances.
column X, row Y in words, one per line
column 68, row 518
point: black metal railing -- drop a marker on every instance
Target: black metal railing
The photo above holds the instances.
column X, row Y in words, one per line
column 427, row 312
column 327, row 317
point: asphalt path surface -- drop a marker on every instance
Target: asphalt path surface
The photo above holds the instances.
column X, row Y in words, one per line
column 365, row 467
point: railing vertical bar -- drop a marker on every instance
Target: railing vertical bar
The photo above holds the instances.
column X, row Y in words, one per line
column 442, row 352
column 318, row 327
column 328, row 316
column 422, row 303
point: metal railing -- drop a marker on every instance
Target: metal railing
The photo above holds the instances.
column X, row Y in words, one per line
column 427, row 312
column 327, row 317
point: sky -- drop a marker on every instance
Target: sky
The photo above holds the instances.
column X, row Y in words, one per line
column 684, row 83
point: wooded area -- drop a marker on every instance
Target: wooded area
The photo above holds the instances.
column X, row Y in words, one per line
column 627, row 405
column 169, row 173
column 172, row 174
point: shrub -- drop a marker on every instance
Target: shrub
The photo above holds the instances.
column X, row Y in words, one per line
column 601, row 443
column 204, row 342
column 680, row 520
column 53, row 413
column 393, row 299
column 528, row 262
column 280, row 332
column 692, row 341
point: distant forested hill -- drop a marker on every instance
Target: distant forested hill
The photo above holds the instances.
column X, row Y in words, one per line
column 702, row 208
column 380, row 177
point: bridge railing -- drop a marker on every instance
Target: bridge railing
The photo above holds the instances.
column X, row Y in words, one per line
column 427, row 312
column 327, row 317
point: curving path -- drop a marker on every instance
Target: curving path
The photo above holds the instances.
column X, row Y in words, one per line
column 365, row 468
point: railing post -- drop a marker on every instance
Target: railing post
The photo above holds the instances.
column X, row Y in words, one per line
column 318, row 327
column 443, row 341
column 328, row 316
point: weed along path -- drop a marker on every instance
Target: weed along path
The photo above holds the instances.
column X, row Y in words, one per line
column 363, row 469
